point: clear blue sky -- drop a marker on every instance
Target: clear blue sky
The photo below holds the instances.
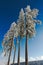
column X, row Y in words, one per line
column 9, row 11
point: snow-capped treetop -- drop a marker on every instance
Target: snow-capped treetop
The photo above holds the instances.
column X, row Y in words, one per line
column 28, row 9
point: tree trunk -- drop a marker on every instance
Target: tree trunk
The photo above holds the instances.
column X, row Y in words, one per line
column 10, row 52
column 14, row 53
column 26, row 49
column 19, row 53
column 14, row 57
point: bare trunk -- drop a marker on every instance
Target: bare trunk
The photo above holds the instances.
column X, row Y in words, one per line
column 9, row 57
column 14, row 53
column 19, row 53
column 26, row 49
column 14, row 57
column 10, row 53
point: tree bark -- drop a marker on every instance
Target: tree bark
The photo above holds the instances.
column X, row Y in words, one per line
column 10, row 52
column 14, row 57
column 14, row 53
column 19, row 53
column 26, row 49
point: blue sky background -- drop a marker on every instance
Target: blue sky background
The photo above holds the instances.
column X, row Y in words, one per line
column 9, row 11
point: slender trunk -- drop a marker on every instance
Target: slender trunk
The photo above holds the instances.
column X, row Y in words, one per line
column 10, row 53
column 19, row 53
column 26, row 49
column 9, row 57
column 14, row 53
column 14, row 57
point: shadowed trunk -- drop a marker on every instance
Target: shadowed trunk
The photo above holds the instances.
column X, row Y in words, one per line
column 18, row 54
column 10, row 52
column 14, row 57
column 26, row 49
column 14, row 53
